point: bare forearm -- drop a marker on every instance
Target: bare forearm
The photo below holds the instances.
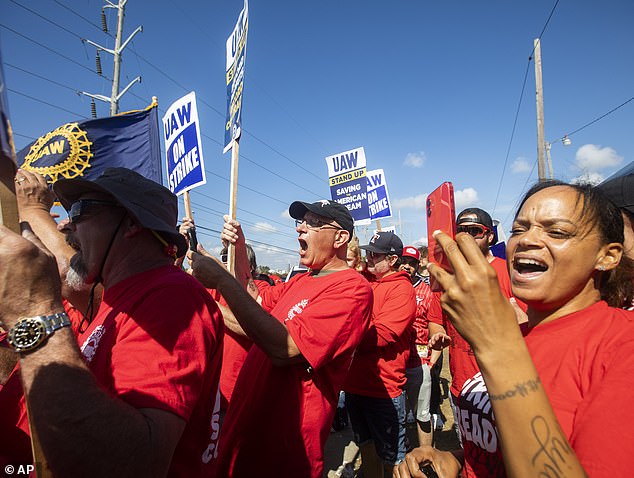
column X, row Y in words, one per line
column 76, row 420
column 532, row 441
column 265, row 330
column 230, row 321
column 45, row 227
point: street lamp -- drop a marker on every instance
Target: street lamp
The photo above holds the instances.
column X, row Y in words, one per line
column 566, row 142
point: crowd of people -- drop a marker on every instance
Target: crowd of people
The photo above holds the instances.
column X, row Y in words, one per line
column 118, row 361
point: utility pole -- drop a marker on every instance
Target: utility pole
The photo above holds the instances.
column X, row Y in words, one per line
column 116, row 53
column 539, row 95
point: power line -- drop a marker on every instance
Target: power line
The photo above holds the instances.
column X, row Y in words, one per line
column 280, row 249
column 46, row 103
column 82, row 17
column 597, row 119
column 519, row 105
column 46, row 19
column 52, row 51
column 41, row 77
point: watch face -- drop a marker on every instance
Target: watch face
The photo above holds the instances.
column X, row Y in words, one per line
column 27, row 333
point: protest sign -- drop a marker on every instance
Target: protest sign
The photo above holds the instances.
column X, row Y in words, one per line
column 378, row 197
column 348, row 183
column 183, row 146
column 236, row 56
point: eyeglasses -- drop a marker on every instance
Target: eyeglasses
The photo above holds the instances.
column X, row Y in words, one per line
column 83, row 207
column 376, row 255
column 315, row 223
column 477, row 231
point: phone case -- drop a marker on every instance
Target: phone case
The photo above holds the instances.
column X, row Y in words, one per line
column 441, row 215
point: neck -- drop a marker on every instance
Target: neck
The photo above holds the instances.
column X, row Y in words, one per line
column 579, row 302
column 334, row 264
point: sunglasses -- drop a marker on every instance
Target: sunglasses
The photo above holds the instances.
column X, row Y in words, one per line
column 84, row 207
column 315, row 223
column 376, row 255
column 477, row 231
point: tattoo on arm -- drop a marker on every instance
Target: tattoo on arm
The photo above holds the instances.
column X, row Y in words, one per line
column 552, row 452
column 521, row 389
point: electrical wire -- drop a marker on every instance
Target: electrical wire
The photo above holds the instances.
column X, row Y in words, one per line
column 519, row 105
column 53, row 51
column 46, row 103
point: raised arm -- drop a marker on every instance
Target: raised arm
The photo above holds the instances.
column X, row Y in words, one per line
column 35, row 200
column 265, row 330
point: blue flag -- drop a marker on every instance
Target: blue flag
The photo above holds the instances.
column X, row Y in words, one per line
column 84, row 150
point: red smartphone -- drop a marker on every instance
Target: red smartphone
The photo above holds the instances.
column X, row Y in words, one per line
column 441, row 215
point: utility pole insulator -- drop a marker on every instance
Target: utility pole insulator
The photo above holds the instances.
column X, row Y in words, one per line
column 98, row 64
column 93, row 108
column 104, row 23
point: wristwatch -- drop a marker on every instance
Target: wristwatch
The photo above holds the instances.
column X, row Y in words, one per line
column 29, row 333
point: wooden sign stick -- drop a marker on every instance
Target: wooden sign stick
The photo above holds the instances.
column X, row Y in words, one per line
column 233, row 202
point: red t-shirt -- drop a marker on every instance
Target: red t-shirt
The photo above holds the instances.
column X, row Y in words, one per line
column 585, row 362
column 279, row 416
column 235, row 350
column 462, row 362
column 378, row 368
column 156, row 342
column 427, row 307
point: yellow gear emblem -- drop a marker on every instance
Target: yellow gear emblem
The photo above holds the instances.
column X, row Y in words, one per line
column 54, row 143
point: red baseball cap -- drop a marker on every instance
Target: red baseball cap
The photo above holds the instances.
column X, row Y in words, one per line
column 411, row 251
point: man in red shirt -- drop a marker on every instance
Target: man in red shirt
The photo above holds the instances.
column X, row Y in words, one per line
column 135, row 393
column 462, row 364
column 304, row 334
column 422, row 358
column 375, row 388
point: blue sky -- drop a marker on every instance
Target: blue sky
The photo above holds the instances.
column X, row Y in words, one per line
column 429, row 89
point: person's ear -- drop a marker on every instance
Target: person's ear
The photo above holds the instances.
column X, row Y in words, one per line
column 132, row 228
column 342, row 237
column 609, row 256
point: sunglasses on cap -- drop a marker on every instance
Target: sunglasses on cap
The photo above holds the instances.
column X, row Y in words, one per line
column 475, row 230
column 83, row 207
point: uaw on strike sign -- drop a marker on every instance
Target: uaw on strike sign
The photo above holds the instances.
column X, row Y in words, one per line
column 183, row 147
column 348, row 183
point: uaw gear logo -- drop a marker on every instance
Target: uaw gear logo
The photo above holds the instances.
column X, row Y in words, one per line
column 64, row 152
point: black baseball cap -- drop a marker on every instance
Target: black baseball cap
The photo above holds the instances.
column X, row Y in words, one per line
column 620, row 191
column 385, row 242
column 150, row 204
column 325, row 208
column 481, row 217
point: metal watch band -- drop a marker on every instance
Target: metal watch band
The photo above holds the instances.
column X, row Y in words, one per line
column 55, row 322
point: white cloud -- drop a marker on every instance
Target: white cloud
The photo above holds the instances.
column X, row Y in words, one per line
column 420, row 242
column 264, row 227
column 465, row 198
column 592, row 158
column 415, row 160
column 412, row 202
column 588, row 177
column 520, row 165
column 284, row 214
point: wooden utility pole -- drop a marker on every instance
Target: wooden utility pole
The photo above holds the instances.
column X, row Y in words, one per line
column 539, row 96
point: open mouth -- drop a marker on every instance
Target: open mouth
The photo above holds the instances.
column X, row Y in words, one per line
column 303, row 245
column 527, row 266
